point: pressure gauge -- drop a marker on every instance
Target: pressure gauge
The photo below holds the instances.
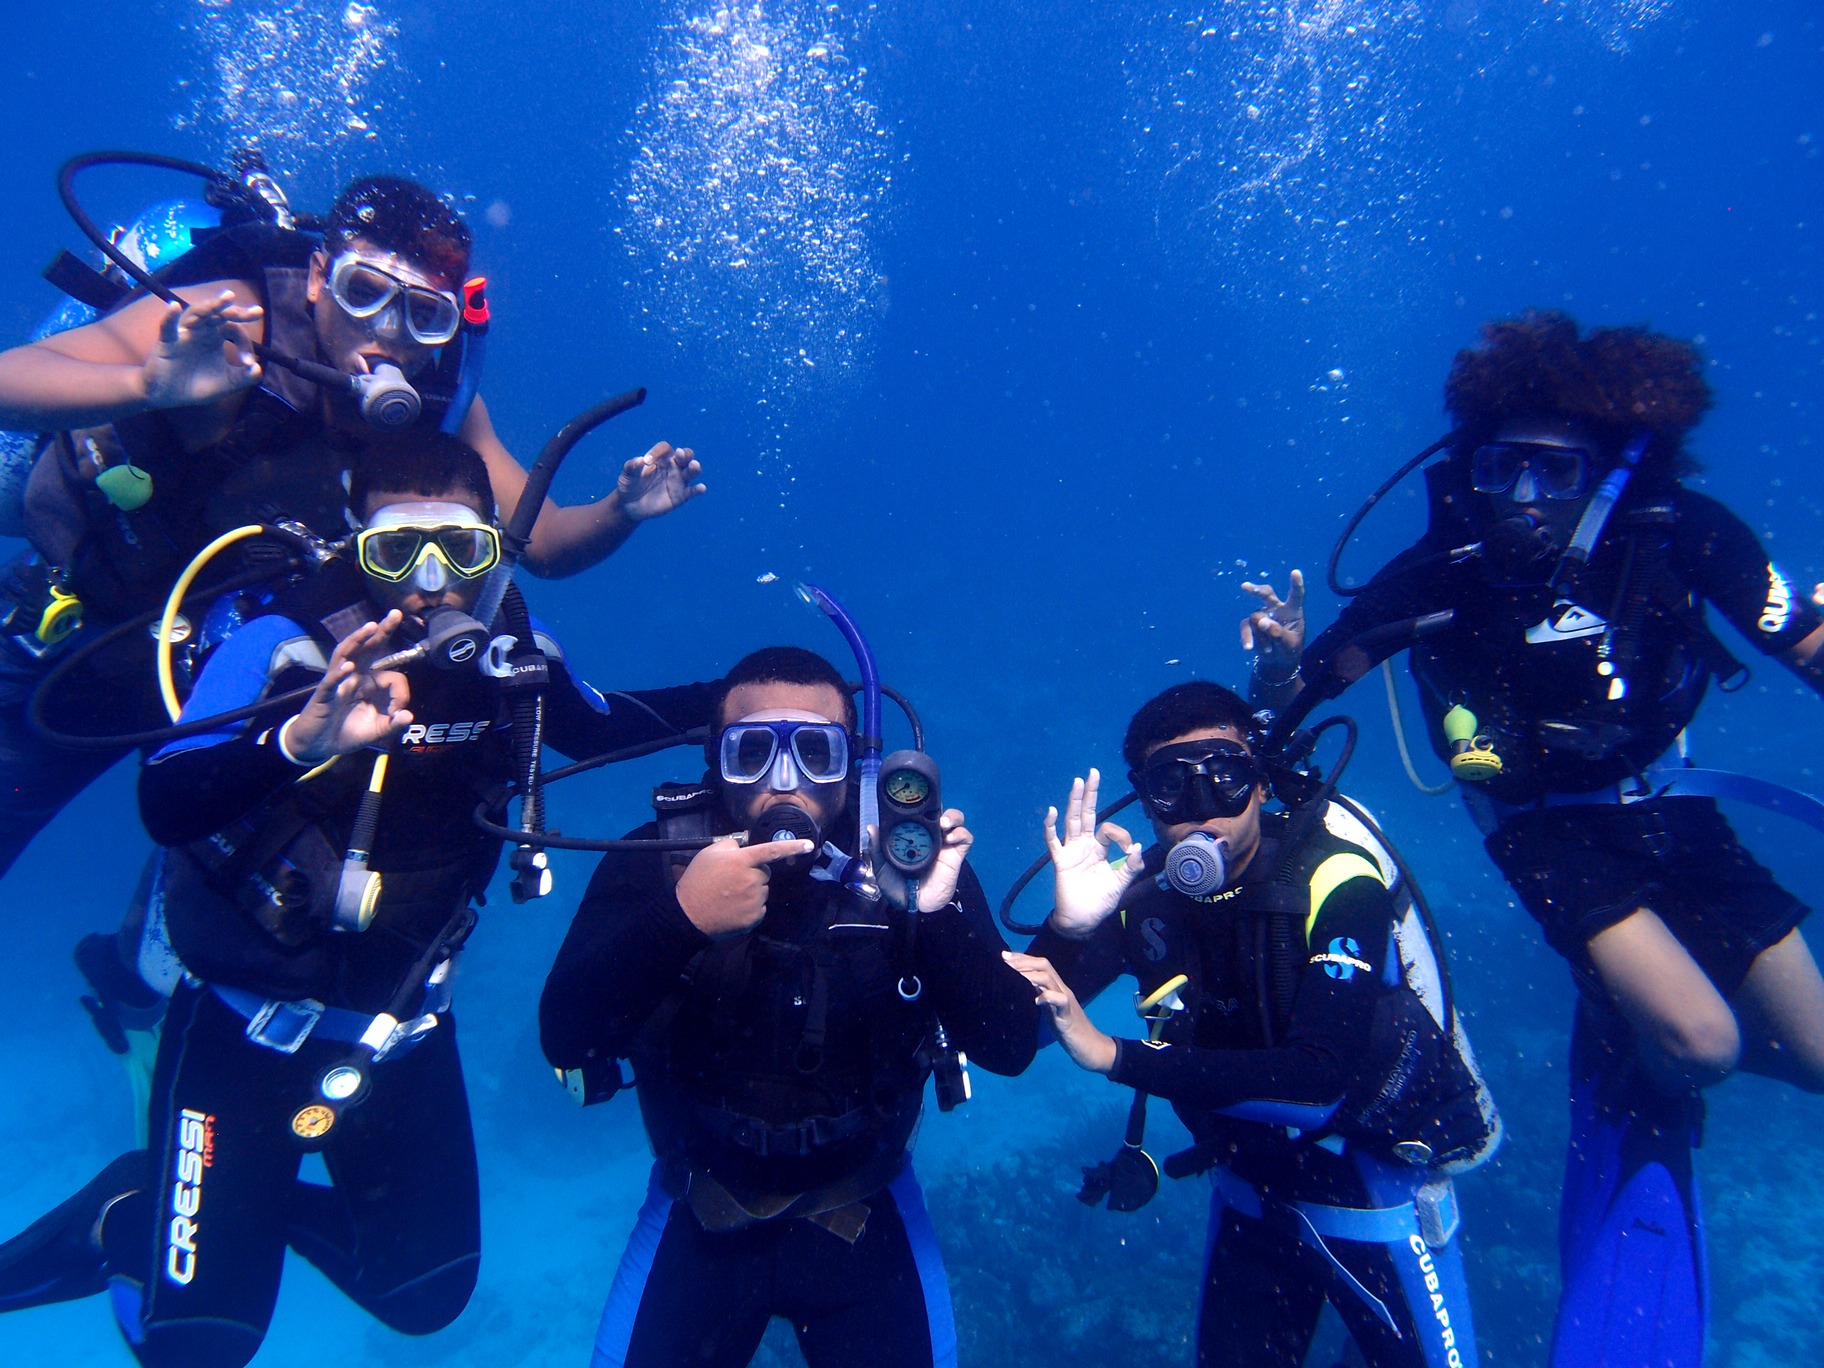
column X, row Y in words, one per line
column 910, row 846
column 910, row 806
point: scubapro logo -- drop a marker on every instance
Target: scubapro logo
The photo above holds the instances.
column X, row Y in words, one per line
column 195, row 1154
column 1342, row 959
column 1779, row 602
column 461, row 650
column 1150, row 932
column 1428, row 1269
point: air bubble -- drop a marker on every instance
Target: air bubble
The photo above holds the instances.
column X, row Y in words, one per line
column 300, row 81
column 773, row 169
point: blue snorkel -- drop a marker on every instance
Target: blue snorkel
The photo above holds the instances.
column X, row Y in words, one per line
column 1596, row 513
column 475, row 318
column 870, row 718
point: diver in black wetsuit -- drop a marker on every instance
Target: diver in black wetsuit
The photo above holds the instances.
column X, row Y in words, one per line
column 1577, row 655
column 781, row 1028
column 1327, row 1100
column 320, row 946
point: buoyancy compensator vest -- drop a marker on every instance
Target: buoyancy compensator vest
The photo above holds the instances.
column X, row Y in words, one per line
column 1586, row 685
column 787, row 1063
column 1417, row 1094
column 254, row 905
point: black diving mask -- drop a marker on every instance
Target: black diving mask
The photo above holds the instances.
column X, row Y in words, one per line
column 1550, row 470
column 1194, row 781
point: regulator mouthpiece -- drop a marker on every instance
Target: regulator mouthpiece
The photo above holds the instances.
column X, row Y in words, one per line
column 453, row 639
column 785, row 822
column 1519, row 550
column 387, row 399
column 1198, row 865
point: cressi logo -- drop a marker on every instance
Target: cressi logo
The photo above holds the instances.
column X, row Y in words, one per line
column 443, row 733
column 195, row 1155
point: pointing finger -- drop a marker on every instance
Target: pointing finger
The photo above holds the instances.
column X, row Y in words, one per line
column 768, row 851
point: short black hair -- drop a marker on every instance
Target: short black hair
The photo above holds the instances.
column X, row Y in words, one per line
column 1196, row 705
column 401, row 216
column 422, row 461
column 785, row 665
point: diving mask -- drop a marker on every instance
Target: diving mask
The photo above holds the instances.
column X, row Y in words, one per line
column 1195, row 781
column 384, row 300
column 425, row 543
column 1531, row 470
column 784, row 753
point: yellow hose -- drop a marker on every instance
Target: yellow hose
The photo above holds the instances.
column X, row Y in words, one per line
column 167, row 684
column 1161, row 993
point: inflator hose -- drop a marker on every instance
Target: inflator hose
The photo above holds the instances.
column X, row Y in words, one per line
column 1337, row 587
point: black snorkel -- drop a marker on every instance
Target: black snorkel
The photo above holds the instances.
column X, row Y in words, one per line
column 514, row 658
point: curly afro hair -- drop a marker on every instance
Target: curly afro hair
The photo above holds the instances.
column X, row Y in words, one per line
column 1613, row 380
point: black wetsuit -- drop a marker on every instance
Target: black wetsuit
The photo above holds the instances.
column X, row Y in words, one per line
column 1578, row 711
column 781, row 1074
column 1296, row 1103
column 399, row 1231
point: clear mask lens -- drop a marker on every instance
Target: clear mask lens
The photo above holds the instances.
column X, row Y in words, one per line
column 364, row 291
column 1558, row 472
column 784, row 752
column 1196, row 782
column 394, row 553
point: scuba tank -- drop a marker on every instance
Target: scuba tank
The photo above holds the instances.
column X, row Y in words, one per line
column 157, row 236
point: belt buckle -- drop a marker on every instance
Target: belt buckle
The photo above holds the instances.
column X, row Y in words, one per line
column 284, row 1026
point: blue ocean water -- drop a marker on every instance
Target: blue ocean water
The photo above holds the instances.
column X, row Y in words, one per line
column 1030, row 331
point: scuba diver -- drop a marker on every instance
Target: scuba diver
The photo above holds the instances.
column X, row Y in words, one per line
column 1325, row 1095
column 170, row 429
column 315, row 882
column 1565, row 570
column 783, row 1005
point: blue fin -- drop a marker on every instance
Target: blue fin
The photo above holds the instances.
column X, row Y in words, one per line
column 1630, row 1233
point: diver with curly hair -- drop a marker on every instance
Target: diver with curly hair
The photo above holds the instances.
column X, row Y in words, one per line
column 1577, row 566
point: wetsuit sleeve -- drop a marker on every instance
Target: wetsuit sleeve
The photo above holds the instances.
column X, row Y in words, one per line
column 199, row 784
column 1088, row 965
column 581, row 721
column 986, row 1006
column 1724, row 561
column 1391, row 596
column 1301, row 1080
column 627, row 948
